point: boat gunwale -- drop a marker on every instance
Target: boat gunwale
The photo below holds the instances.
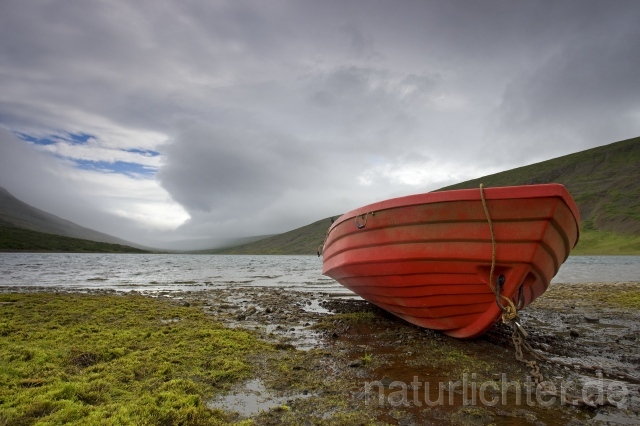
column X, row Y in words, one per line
column 452, row 240
column 493, row 193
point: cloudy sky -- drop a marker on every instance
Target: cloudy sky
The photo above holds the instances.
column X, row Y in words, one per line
column 157, row 120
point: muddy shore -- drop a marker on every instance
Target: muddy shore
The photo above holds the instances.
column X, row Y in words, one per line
column 352, row 357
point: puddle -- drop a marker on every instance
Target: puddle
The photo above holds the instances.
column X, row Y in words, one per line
column 253, row 398
column 298, row 336
column 314, row 305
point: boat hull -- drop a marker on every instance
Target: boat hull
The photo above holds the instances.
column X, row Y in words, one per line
column 426, row 258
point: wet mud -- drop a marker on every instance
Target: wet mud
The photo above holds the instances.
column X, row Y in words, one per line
column 393, row 372
column 345, row 361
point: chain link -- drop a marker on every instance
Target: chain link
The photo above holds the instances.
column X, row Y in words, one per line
column 589, row 400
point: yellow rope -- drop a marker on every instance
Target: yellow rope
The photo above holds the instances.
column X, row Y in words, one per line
column 510, row 311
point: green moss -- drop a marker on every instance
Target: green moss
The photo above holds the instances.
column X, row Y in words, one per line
column 626, row 299
column 72, row 359
column 450, row 356
column 620, row 299
column 355, row 317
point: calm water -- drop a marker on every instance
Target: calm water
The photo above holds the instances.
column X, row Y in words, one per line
column 156, row 272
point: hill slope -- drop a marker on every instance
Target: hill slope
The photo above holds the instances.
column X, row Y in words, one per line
column 17, row 239
column 17, row 214
column 604, row 181
column 303, row 240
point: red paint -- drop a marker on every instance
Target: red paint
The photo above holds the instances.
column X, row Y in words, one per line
column 426, row 257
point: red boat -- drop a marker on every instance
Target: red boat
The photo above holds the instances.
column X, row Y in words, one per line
column 427, row 258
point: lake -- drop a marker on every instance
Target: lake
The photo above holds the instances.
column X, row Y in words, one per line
column 167, row 272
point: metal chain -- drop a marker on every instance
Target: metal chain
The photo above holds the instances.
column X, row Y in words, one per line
column 591, row 400
column 519, row 335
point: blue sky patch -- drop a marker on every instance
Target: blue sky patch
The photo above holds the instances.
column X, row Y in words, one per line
column 121, row 167
column 79, row 138
column 74, row 138
column 37, row 141
column 145, row 152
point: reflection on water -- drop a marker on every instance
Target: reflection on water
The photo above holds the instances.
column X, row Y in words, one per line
column 254, row 398
column 165, row 272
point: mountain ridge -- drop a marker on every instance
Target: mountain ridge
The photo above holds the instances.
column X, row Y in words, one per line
column 604, row 181
column 15, row 213
column 607, row 201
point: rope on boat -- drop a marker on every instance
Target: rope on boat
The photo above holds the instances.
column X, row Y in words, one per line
column 510, row 311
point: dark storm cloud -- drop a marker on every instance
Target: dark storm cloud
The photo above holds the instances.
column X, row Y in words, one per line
column 342, row 123
column 585, row 92
column 216, row 169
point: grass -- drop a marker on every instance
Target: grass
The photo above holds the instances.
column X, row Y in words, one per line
column 94, row 360
column 594, row 242
column 18, row 239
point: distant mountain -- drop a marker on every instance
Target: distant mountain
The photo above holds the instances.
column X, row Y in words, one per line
column 17, row 214
column 14, row 239
column 303, row 240
column 205, row 245
column 604, row 182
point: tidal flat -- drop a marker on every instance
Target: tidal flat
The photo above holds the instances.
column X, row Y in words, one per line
column 272, row 356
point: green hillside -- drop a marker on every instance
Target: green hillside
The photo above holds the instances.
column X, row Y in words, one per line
column 15, row 213
column 17, row 239
column 604, row 181
column 303, row 240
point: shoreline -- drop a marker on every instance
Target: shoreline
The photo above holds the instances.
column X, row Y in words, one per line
column 338, row 352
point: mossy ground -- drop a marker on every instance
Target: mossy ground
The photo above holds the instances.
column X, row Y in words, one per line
column 72, row 359
column 107, row 359
column 133, row 360
column 622, row 296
